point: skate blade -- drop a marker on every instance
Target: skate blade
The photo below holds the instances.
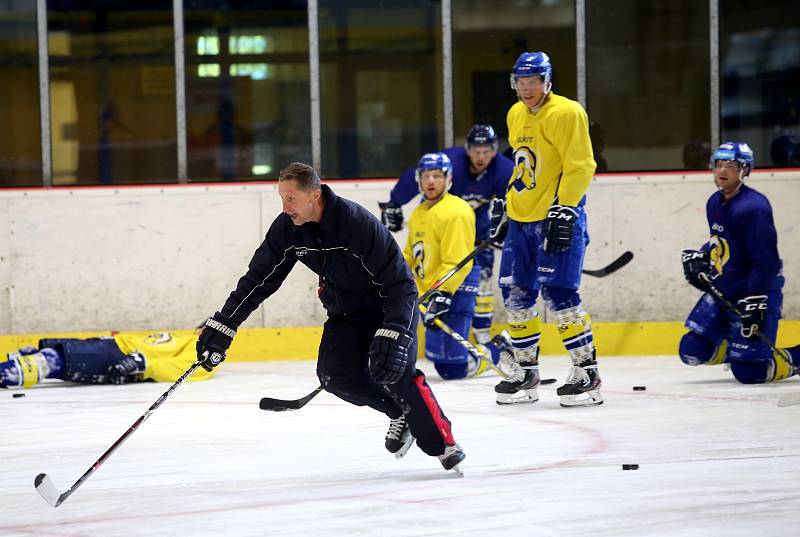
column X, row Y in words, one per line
column 527, row 397
column 403, row 450
column 592, row 398
column 458, row 470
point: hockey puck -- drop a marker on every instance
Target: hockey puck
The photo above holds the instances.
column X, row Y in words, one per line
column 18, row 395
column 639, row 388
column 630, row 466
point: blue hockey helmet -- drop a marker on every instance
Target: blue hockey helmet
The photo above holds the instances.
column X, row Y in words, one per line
column 532, row 64
column 435, row 161
column 481, row 135
column 739, row 152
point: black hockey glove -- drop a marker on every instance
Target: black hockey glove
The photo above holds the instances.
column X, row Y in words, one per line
column 215, row 340
column 391, row 215
column 754, row 312
column 388, row 355
column 438, row 306
column 558, row 228
column 696, row 262
column 125, row 369
column 498, row 224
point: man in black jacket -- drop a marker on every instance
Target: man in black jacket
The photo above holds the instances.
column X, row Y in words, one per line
column 368, row 350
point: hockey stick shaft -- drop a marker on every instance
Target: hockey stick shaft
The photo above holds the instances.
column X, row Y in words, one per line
column 449, row 274
column 733, row 309
column 470, row 348
column 612, row 267
column 45, row 486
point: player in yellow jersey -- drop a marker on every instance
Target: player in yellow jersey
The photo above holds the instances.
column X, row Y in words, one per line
column 123, row 358
column 543, row 228
column 441, row 233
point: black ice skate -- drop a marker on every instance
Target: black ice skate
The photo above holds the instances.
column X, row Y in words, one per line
column 522, row 377
column 452, row 457
column 399, row 438
column 582, row 387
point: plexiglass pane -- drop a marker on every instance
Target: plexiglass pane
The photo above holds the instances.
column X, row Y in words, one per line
column 381, row 85
column 248, row 112
column 648, row 89
column 112, row 91
column 760, row 78
column 20, row 142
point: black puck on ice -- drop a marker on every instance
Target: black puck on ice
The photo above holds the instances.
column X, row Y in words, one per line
column 639, row 388
column 17, row 395
column 630, row 466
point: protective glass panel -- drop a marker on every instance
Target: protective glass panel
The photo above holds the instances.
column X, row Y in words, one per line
column 112, row 91
column 381, row 85
column 248, row 113
column 20, row 143
column 760, row 78
column 648, row 89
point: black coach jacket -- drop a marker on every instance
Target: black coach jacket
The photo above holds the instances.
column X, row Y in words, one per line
column 362, row 272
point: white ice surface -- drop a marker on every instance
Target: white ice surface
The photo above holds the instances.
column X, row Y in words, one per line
column 716, row 459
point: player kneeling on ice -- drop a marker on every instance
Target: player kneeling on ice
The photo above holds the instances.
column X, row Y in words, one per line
column 368, row 348
column 740, row 273
column 543, row 228
column 123, row 358
column 441, row 234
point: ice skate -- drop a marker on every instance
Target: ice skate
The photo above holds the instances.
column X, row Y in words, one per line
column 399, row 438
column 523, row 380
column 582, row 387
column 452, row 457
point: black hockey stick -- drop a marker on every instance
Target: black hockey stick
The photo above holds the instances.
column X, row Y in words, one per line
column 44, row 485
column 733, row 309
column 280, row 405
column 612, row 267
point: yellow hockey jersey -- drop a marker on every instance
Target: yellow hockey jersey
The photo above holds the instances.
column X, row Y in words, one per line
column 440, row 237
column 167, row 354
column 553, row 159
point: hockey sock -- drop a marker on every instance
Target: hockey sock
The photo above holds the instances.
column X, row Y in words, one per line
column 525, row 329
column 575, row 329
column 484, row 310
column 782, row 368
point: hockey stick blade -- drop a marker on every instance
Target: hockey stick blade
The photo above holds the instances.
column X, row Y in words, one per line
column 47, row 490
column 281, row 405
column 548, row 381
column 789, row 399
column 612, row 267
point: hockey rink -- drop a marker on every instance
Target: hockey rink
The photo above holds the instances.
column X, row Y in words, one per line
column 716, row 458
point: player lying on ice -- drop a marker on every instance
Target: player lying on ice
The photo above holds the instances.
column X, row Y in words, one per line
column 441, row 233
column 123, row 358
column 367, row 355
column 741, row 262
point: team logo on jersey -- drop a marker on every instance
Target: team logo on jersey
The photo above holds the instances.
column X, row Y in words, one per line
column 158, row 339
column 418, row 253
column 524, row 177
column 475, row 200
column 720, row 252
column 717, row 227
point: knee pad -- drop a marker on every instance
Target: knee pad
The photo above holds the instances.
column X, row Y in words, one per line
column 695, row 349
column 753, row 372
column 451, row 371
column 560, row 298
column 518, row 298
